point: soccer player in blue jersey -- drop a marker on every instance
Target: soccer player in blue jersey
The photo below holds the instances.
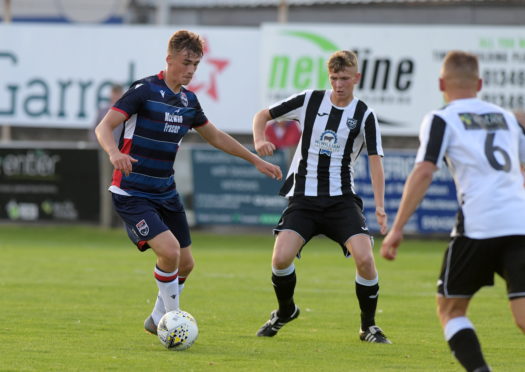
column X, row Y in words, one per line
column 157, row 112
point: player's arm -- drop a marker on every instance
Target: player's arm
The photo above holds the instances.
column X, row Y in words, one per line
column 377, row 176
column 230, row 145
column 104, row 133
column 262, row 146
column 415, row 188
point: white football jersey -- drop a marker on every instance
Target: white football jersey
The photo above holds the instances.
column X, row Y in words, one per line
column 483, row 146
column 332, row 139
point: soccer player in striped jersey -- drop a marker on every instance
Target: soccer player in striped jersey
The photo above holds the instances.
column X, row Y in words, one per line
column 157, row 112
column 483, row 146
column 336, row 126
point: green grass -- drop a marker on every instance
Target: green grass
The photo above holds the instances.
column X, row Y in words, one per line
column 74, row 299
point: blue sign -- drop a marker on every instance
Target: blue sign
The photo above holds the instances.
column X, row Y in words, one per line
column 230, row 191
column 436, row 213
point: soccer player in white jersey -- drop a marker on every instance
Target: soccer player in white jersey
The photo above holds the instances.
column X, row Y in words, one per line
column 483, row 146
column 322, row 200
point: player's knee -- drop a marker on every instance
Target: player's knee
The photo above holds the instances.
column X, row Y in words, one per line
column 446, row 312
column 186, row 266
column 442, row 316
column 170, row 255
column 365, row 265
column 280, row 262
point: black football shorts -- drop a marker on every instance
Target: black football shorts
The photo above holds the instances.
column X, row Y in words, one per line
column 337, row 217
column 470, row 264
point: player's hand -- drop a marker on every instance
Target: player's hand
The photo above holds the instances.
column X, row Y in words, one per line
column 269, row 169
column 382, row 220
column 390, row 244
column 264, row 148
column 122, row 162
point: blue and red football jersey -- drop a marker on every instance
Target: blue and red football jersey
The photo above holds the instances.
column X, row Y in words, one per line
column 157, row 120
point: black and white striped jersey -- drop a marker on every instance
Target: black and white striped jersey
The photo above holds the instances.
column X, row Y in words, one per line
column 332, row 139
column 483, row 145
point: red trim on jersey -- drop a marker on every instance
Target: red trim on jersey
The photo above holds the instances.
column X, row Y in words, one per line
column 126, row 147
column 160, row 75
column 117, row 178
column 117, row 175
column 165, row 279
column 121, row 111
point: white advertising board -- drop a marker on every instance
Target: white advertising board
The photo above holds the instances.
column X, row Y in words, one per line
column 399, row 65
column 57, row 75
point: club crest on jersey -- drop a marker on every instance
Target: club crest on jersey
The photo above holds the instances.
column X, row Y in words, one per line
column 184, row 99
column 327, row 143
column 142, row 227
column 351, row 123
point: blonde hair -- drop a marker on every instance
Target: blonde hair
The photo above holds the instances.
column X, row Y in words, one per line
column 341, row 60
column 460, row 66
column 186, row 40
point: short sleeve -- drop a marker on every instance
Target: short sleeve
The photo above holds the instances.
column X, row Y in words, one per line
column 200, row 118
column 433, row 140
column 131, row 101
column 373, row 135
column 289, row 108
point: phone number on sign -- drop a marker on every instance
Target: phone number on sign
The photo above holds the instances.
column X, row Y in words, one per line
column 508, row 101
column 504, row 78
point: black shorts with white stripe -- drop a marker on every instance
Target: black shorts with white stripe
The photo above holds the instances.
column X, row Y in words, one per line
column 470, row 264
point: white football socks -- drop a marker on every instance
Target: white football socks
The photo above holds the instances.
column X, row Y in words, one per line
column 168, row 284
column 158, row 310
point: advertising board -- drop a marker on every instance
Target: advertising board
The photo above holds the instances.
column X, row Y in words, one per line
column 437, row 212
column 43, row 184
column 59, row 75
column 231, row 191
column 399, row 65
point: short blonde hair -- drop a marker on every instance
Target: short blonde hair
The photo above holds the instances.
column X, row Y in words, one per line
column 459, row 65
column 186, row 40
column 341, row 60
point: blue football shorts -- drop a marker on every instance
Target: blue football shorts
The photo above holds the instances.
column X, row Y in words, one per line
column 144, row 219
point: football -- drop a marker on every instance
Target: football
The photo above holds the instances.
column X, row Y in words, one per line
column 177, row 330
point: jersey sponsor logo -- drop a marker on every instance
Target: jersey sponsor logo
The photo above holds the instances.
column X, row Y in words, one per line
column 327, row 143
column 351, row 123
column 170, row 128
column 184, row 99
column 488, row 121
column 142, row 227
column 172, row 118
column 162, row 93
column 322, row 113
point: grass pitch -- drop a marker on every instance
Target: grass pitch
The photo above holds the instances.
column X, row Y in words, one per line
column 74, row 299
